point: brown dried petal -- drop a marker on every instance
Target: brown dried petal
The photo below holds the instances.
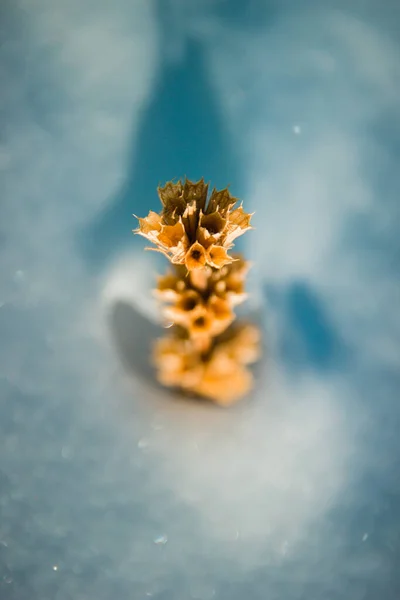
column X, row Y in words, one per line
column 196, row 191
column 170, row 193
column 220, row 201
column 174, row 204
column 214, row 223
column 190, row 219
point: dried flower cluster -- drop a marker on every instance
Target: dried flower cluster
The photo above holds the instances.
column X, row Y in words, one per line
column 192, row 232
column 203, row 354
column 220, row 374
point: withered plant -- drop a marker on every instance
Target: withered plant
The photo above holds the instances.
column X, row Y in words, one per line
column 204, row 352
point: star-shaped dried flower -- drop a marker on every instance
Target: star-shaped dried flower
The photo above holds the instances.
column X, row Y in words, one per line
column 193, row 230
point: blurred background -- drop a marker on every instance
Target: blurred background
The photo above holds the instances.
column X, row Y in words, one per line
column 110, row 487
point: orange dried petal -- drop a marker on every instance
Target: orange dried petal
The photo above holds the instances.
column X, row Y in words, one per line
column 220, row 308
column 150, row 223
column 225, row 386
column 217, row 256
column 171, row 235
column 195, row 257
